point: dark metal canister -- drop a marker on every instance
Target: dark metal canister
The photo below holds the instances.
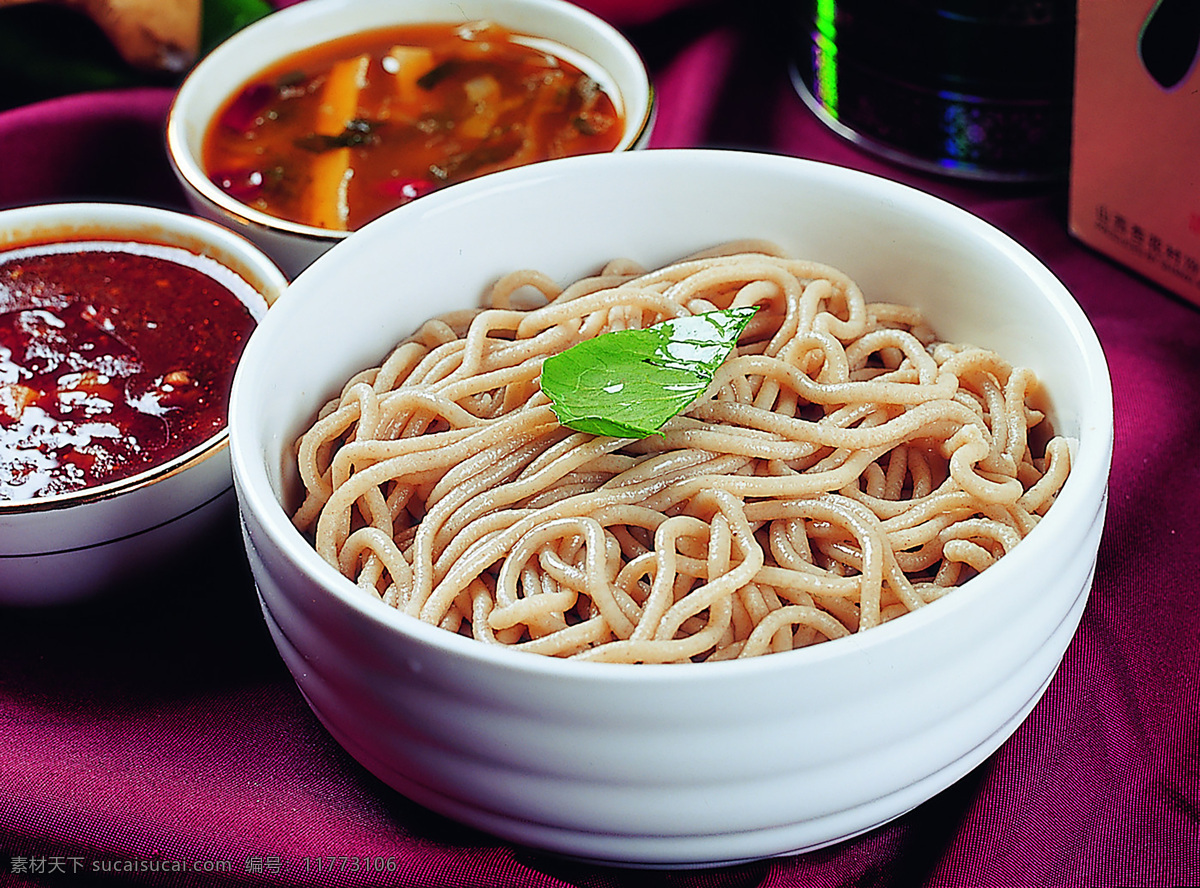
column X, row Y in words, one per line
column 979, row 89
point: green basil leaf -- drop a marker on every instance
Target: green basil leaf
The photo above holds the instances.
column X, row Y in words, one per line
column 628, row 383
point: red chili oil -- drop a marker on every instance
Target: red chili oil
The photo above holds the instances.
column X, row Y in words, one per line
column 114, row 358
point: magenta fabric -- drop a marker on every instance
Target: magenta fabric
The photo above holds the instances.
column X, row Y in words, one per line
column 159, row 728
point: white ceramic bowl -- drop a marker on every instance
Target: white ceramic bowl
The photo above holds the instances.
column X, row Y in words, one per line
column 595, row 46
column 672, row 765
column 68, row 547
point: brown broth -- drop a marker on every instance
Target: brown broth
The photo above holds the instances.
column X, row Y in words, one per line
column 338, row 135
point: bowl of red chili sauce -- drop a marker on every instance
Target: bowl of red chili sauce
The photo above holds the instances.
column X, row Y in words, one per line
column 120, row 329
column 321, row 117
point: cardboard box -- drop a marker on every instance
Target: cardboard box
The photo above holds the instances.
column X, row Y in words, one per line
column 1135, row 154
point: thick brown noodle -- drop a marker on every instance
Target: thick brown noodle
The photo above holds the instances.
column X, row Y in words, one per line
column 845, row 467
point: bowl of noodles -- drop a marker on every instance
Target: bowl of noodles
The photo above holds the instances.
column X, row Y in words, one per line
column 826, row 583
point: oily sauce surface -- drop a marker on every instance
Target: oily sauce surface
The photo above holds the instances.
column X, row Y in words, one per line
column 111, row 362
column 338, row 135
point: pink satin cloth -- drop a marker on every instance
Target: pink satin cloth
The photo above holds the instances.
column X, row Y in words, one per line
column 158, row 728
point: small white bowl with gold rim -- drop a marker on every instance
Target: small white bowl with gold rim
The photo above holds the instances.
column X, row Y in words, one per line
column 66, row 540
column 567, row 31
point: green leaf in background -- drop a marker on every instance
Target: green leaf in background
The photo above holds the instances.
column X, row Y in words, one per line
column 628, row 383
column 222, row 18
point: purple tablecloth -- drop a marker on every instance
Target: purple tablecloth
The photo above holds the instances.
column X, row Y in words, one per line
column 154, row 737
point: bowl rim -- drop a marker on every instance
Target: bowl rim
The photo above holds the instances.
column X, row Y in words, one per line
column 1086, row 485
column 190, row 170
column 90, row 221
